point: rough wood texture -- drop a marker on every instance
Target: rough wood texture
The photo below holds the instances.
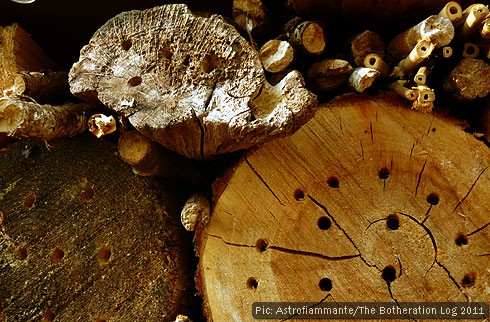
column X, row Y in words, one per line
column 367, row 42
column 190, row 83
column 364, row 186
column 84, row 239
column 43, row 87
column 468, row 80
column 329, row 73
column 18, row 53
column 362, row 78
column 276, row 55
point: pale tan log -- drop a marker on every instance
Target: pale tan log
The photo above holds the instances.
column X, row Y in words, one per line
column 276, row 55
column 375, row 61
column 405, row 92
column 366, row 185
column 307, row 36
column 468, row 80
column 367, row 42
column 419, row 53
column 362, row 78
column 43, row 87
column 425, row 99
column 472, row 18
column 18, row 53
column 100, row 125
column 447, row 51
column 437, row 30
column 196, row 212
column 470, row 50
column 420, row 77
column 452, row 10
column 485, row 28
column 206, row 96
column 328, row 73
column 30, row 120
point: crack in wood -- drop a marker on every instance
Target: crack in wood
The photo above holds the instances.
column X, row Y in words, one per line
column 362, row 150
column 371, row 130
column 479, row 229
column 201, row 128
column 411, row 150
column 419, row 178
column 427, row 214
column 430, row 127
column 452, row 278
column 263, row 181
column 310, row 307
column 469, row 191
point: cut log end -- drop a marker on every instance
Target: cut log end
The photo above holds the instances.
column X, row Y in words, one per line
column 368, row 42
column 276, row 55
column 134, row 147
column 469, row 79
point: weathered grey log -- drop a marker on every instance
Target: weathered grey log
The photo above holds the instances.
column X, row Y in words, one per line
column 469, row 79
column 192, row 84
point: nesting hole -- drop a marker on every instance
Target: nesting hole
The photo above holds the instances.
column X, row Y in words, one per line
column 21, row 253
column 48, row 315
column 209, row 63
column 423, row 48
column 470, row 50
column 87, row 194
column 384, row 173
column 372, row 61
column 299, row 194
column 461, row 239
column 433, row 198
column 57, row 255
column 135, row 81
column 324, row 223
column 426, row 97
column 389, row 274
column 393, row 222
column 29, row 200
column 252, row 283
column 333, row 182
column 127, row 44
column 325, row 284
column 186, row 60
column 104, row 255
column 453, row 10
column 468, row 280
column 261, row 245
column 433, row 129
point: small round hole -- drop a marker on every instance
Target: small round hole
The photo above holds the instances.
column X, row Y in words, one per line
column 423, row 48
column 333, row 182
column 261, row 245
column 434, row 129
column 299, row 194
column 29, row 200
column 48, row 315
column 57, row 255
column 209, row 63
column 324, row 223
column 453, row 10
column 372, row 61
column 21, row 253
column 252, row 283
column 433, row 198
column 127, row 44
column 87, row 194
column 135, row 81
column 384, row 173
column 468, row 280
column 461, row 239
column 426, row 97
column 470, row 50
column 325, row 284
column 104, row 255
column 392, row 222
column 389, row 274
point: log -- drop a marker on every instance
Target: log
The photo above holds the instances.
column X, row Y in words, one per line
column 360, row 204
column 472, row 18
column 420, row 77
column 376, row 62
column 405, row 92
column 276, row 55
column 84, row 239
column 18, row 53
column 367, row 42
column 419, row 53
column 43, row 87
column 329, row 73
column 307, row 36
column 468, row 80
column 452, row 10
column 362, row 78
column 101, row 125
column 485, row 28
column 470, row 50
column 192, row 84
column 249, row 14
column 425, row 99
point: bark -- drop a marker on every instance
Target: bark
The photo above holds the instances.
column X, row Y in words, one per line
column 468, row 80
column 43, row 87
column 309, row 37
column 192, row 84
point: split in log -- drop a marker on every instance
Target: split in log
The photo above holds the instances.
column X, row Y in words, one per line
column 276, row 55
column 87, row 239
column 375, row 61
column 361, row 202
column 468, row 80
column 196, row 212
column 43, row 87
column 100, row 125
column 328, row 73
column 362, row 78
column 470, row 50
column 307, row 36
column 473, row 16
column 437, row 30
column 192, row 84
column 29, row 120
column 452, row 11
column 367, row 42
column 419, row 53
column 18, row 53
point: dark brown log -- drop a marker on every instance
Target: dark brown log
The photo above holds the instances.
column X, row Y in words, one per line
column 329, row 73
column 367, row 42
column 192, row 84
column 468, row 80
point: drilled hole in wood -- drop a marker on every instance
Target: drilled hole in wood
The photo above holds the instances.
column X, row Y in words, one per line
column 372, row 61
column 324, row 223
column 186, row 60
column 453, row 10
column 333, row 182
column 57, row 255
column 135, row 81
column 252, row 283
column 165, row 53
column 21, row 253
column 423, row 48
column 104, row 255
column 209, row 63
column 384, row 173
column 433, row 198
column 87, row 194
column 470, row 50
column 461, row 239
column 389, row 274
column 29, row 200
column 48, row 315
column 299, row 194
column 392, row 222
column 261, row 245
column 127, row 44
column 434, row 129
column 325, row 284
column 468, row 280
column 100, row 320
